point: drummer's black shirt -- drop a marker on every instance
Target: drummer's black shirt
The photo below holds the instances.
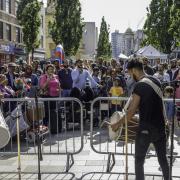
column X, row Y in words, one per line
column 150, row 108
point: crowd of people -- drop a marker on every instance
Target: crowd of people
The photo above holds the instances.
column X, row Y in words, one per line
column 87, row 80
column 100, row 78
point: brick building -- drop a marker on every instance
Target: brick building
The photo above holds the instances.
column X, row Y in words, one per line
column 10, row 32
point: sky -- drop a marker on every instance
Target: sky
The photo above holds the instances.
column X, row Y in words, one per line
column 119, row 14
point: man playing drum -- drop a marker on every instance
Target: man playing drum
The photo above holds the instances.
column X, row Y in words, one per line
column 151, row 127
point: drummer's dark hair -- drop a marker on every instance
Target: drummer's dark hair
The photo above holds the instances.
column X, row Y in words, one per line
column 135, row 63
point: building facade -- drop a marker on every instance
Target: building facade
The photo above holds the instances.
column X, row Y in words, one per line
column 40, row 52
column 117, row 43
column 138, row 38
column 10, row 32
column 89, row 40
column 126, row 43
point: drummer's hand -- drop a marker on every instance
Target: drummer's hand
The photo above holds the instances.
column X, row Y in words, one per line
column 115, row 126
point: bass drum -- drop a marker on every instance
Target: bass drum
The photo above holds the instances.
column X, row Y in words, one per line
column 120, row 133
column 4, row 132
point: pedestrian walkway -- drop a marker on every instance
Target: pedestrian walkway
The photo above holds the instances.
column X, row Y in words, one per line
column 85, row 162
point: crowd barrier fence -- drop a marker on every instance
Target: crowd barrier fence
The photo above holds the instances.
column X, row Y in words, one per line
column 58, row 114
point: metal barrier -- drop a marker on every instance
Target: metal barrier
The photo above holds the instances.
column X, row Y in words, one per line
column 47, row 175
column 119, row 176
column 64, row 118
column 100, row 142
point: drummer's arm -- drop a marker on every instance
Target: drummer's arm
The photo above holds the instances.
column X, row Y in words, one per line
column 134, row 104
column 133, row 107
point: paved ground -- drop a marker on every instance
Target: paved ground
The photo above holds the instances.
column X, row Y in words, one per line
column 84, row 162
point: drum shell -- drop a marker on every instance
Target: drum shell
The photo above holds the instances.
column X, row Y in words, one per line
column 32, row 112
column 4, row 132
column 132, row 130
column 132, row 127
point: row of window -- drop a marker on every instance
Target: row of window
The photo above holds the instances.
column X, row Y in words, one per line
column 6, row 5
column 8, row 32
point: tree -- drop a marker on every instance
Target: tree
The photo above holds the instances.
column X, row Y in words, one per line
column 104, row 46
column 30, row 21
column 21, row 5
column 67, row 28
column 175, row 23
column 156, row 27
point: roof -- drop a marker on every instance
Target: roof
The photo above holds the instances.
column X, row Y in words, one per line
column 129, row 31
column 151, row 52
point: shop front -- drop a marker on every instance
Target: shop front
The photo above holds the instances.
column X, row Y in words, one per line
column 6, row 54
column 10, row 53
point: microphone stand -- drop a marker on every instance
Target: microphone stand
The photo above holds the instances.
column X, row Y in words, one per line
column 37, row 132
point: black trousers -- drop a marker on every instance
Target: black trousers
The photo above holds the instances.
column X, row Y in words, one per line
column 143, row 140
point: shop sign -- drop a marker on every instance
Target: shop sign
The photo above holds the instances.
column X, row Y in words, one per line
column 7, row 48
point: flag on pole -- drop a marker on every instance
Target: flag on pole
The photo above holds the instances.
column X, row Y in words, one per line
column 59, row 53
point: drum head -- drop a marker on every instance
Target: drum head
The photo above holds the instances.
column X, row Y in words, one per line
column 113, row 119
column 4, row 137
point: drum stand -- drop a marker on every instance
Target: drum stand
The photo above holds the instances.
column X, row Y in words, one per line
column 38, row 138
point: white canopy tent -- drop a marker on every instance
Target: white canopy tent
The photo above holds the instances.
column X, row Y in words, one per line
column 151, row 53
column 122, row 56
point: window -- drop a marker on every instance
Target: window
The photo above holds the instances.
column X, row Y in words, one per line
column 18, row 35
column 8, row 32
column 16, row 7
column 8, row 6
column 1, row 30
column 42, row 41
column 1, row 4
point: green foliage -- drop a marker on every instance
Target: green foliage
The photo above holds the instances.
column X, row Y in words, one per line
column 156, row 27
column 175, row 23
column 21, row 5
column 67, row 28
column 104, row 46
column 30, row 21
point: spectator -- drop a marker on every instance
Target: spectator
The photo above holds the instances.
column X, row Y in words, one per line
column 80, row 75
column 169, row 105
column 3, row 69
column 11, row 75
column 148, row 69
column 158, row 61
column 65, row 79
column 49, row 87
column 173, row 70
column 6, row 92
column 28, row 74
column 116, row 91
column 161, row 74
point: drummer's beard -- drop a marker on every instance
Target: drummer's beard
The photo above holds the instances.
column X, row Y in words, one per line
column 135, row 78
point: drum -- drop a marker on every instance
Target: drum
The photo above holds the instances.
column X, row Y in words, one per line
column 120, row 133
column 4, row 132
column 32, row 111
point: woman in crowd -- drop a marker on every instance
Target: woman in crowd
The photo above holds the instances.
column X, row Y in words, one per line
column 6, row 92
column 49, row 87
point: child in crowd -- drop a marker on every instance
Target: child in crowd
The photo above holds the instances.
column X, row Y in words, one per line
column 116, row 91
column 169, row 106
